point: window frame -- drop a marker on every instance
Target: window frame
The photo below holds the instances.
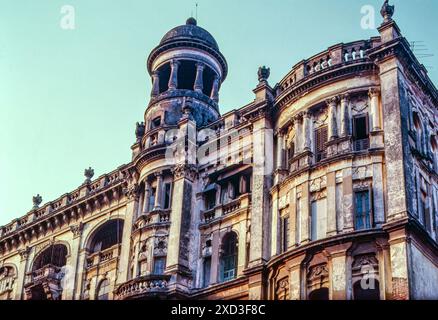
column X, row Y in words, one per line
column 369, row 190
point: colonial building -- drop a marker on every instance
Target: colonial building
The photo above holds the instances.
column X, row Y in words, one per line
column 323, row 187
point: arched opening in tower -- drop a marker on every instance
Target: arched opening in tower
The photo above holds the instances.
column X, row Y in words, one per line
column 186, row 75
column 164, row 74
column 209, row 76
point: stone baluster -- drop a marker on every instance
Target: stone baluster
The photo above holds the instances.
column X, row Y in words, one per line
column 375, row 110
column 173, row 80
column 345, row 115
column 332, row 125
column 215, row 90
column 155, row 84
column 199, row 81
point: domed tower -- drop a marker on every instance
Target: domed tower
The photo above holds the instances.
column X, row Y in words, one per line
column 187, row 70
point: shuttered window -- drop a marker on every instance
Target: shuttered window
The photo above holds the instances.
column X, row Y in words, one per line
column 321, row 138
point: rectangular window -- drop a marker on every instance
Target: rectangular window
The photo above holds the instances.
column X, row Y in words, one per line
column 321, row 138
column 167, row 195
column 361, row 133
column 424, row 211
column 152, row 199
column 298, row 222
column 285, row 233
column 210, row 200
column 363, row 210
column 206, row 272
column 159, row 265
column 319, row 219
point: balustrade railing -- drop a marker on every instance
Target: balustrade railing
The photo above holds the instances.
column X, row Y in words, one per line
column 143, row 285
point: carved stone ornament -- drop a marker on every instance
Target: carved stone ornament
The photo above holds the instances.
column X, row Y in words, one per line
column 318, row 272
column 264, row 73
column 160, row 246
column 185, row 171
column 89, row 174
column 387, row 11
column 77, row 229
column 37, row 200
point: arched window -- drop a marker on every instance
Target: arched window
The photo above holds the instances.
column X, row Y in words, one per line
column 103, row 290
column 107, row 235
column 419, row 132
column 434, row 149
column 228, row 260
column 7, row 276
column 368, row 292
column 319, row 294
column 55, row 255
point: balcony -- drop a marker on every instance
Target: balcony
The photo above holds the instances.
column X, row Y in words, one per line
column 44, row 283
column 144, row 287
column 152, row 218
column 104, row 256
column 361, row 145
column 243, row 202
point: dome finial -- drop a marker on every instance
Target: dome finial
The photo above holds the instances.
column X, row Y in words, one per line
column 191, row 21
column 387, row 11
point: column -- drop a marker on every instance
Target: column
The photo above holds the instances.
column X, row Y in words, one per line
column 305, row 213
column 331, row 204
column 173, row 80
column 332, row 125
column 348, row 206
column 71, row 273
column 306, row 131
column 280, row 149
column 398, row 248
column 296, row 277
column 199, row 81
column 215, row 263
column 155, row 84
column 338, row 270
column 21, row 277
column 293, row 217
column 215, row 90
column 378, row 194
column 375, row 110
column 147, row 193
column 298, row 133
column 158, row 192
column 125, row 248
column 345, row 115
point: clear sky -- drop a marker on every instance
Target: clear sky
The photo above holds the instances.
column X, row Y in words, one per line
column 69, row 99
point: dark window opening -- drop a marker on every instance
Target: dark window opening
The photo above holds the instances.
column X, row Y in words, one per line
column 210, row 199
column 371, row 293
column 104, row 290
column 159, row 265
column 229, row 257
column 164, row 72
column 363, row 219
column 152, row 199
column 156, row 122
column 55, row 255
column 319, row 294
column 186, row 75
column 107, row 235
column 206, row 272
column 208, row 78
column 361, row 133
column 167, row 195
column 285, row 234
column 321, row 138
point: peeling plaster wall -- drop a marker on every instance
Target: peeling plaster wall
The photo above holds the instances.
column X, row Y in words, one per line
column 424, row 276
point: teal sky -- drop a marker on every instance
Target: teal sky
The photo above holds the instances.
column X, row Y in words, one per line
column 70, row 99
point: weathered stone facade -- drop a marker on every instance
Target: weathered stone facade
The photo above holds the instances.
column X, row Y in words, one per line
column 324, row 187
